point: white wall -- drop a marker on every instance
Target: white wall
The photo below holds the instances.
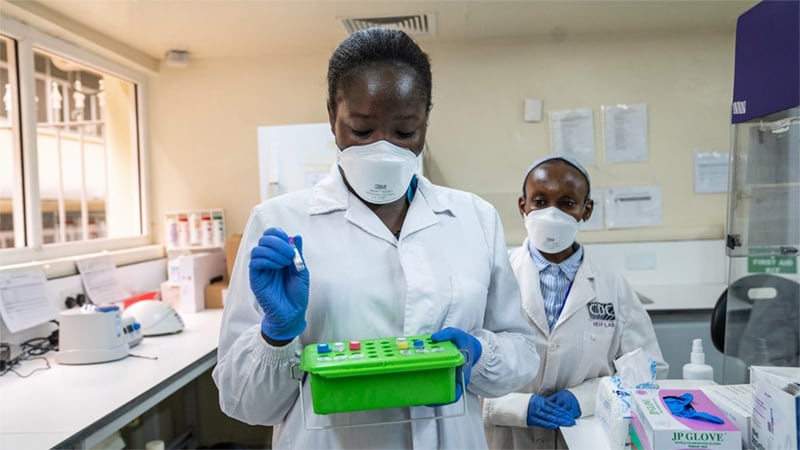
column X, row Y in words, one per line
column 203, row 121
column 480, row 143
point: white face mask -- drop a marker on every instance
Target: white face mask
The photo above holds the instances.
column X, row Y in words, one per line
column 551, row 230
column 378, row 172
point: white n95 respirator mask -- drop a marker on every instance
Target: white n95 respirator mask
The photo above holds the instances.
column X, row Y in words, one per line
column 551, row 230
column 379, row 172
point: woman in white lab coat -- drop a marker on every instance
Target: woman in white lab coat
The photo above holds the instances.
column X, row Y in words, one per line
column 380, row 252
column 583, row 317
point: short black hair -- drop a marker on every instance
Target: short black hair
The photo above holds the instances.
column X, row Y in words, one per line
column 562, row 161
column 372, row 47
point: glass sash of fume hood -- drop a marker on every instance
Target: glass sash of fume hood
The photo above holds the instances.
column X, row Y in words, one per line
column 762, row 325
column 764, row 195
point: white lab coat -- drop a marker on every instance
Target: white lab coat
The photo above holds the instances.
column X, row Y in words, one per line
column 579, row 350
column 449, row 268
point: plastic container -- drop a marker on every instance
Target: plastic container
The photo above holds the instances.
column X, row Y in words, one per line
column 380, row 373
column 218, row 230
column 194, row 229
column 697, row 369
column 206, row 238
column 172, row 233
column 761, row 355
column 183, row 231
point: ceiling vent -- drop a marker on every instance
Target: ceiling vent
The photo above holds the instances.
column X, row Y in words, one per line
column 414, row 25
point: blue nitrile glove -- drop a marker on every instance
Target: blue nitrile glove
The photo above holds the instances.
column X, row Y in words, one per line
column 567, row 401
column 465, row 342
column 281, row 290
column 681, row 406
column 546, row 414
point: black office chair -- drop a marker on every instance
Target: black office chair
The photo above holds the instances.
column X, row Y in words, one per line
column 758, row 330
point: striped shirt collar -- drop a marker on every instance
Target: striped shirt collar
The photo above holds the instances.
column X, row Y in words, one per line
column 568, row 267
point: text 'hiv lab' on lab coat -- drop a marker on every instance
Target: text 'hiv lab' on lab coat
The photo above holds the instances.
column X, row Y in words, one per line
column 449, row 267
column 602, row 320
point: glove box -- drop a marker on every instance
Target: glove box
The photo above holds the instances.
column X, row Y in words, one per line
column 380, row 373
column 655, row 426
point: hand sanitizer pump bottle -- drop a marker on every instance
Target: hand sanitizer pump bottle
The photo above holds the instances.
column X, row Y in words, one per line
column 697, row 369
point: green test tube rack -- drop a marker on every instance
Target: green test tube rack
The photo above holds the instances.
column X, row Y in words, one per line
column 381, row 373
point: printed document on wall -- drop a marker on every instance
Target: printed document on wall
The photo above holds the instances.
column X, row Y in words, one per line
column 625, row 132
column 711, row 172
column 572, row 134
column 633, row 207
column 99, row 277
column 23, row 299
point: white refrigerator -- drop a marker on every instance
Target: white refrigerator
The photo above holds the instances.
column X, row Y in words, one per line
column 292, row 157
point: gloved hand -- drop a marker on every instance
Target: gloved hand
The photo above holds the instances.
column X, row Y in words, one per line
column 546, row 414
column 280, row 289
column 566, row 400
column 681, row 406
column 464, row 341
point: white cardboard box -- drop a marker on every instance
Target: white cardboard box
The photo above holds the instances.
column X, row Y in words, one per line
column 612, row 408
column 736, row 401
column 775, row 407
column 196, row 271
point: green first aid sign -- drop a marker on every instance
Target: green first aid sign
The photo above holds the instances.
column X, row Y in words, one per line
column 772, row 264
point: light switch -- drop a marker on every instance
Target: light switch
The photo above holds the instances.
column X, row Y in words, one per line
column 533, row 110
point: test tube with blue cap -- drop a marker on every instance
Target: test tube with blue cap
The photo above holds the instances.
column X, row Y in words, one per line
column 298, row 260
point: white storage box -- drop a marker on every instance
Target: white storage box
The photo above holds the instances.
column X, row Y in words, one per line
column 736, row 401
column 775, row 407
column 196, row 271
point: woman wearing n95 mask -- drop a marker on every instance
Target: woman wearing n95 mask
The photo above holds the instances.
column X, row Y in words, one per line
column 384, row 253
column 582, row 316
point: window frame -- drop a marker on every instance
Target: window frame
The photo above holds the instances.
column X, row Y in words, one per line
column 29, row 38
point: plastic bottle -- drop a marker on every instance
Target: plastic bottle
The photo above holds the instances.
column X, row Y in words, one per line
column 218, row 230
column 194, row 229
column 697, row 369
column 183, row 231
column 172, row 233
column 205, row 230
column 761, row 355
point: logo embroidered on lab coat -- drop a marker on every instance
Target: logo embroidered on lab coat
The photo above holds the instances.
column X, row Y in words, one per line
column 601, row 311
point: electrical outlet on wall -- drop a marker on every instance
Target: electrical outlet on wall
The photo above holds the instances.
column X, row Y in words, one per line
column 71, row 293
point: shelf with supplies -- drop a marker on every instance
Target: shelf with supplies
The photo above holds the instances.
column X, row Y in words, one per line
column 195, row 230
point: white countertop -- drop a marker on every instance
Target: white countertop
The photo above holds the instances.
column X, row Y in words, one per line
column 71, row 402
column 678, row 297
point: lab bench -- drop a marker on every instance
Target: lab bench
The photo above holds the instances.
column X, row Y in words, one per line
column 79, row 406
